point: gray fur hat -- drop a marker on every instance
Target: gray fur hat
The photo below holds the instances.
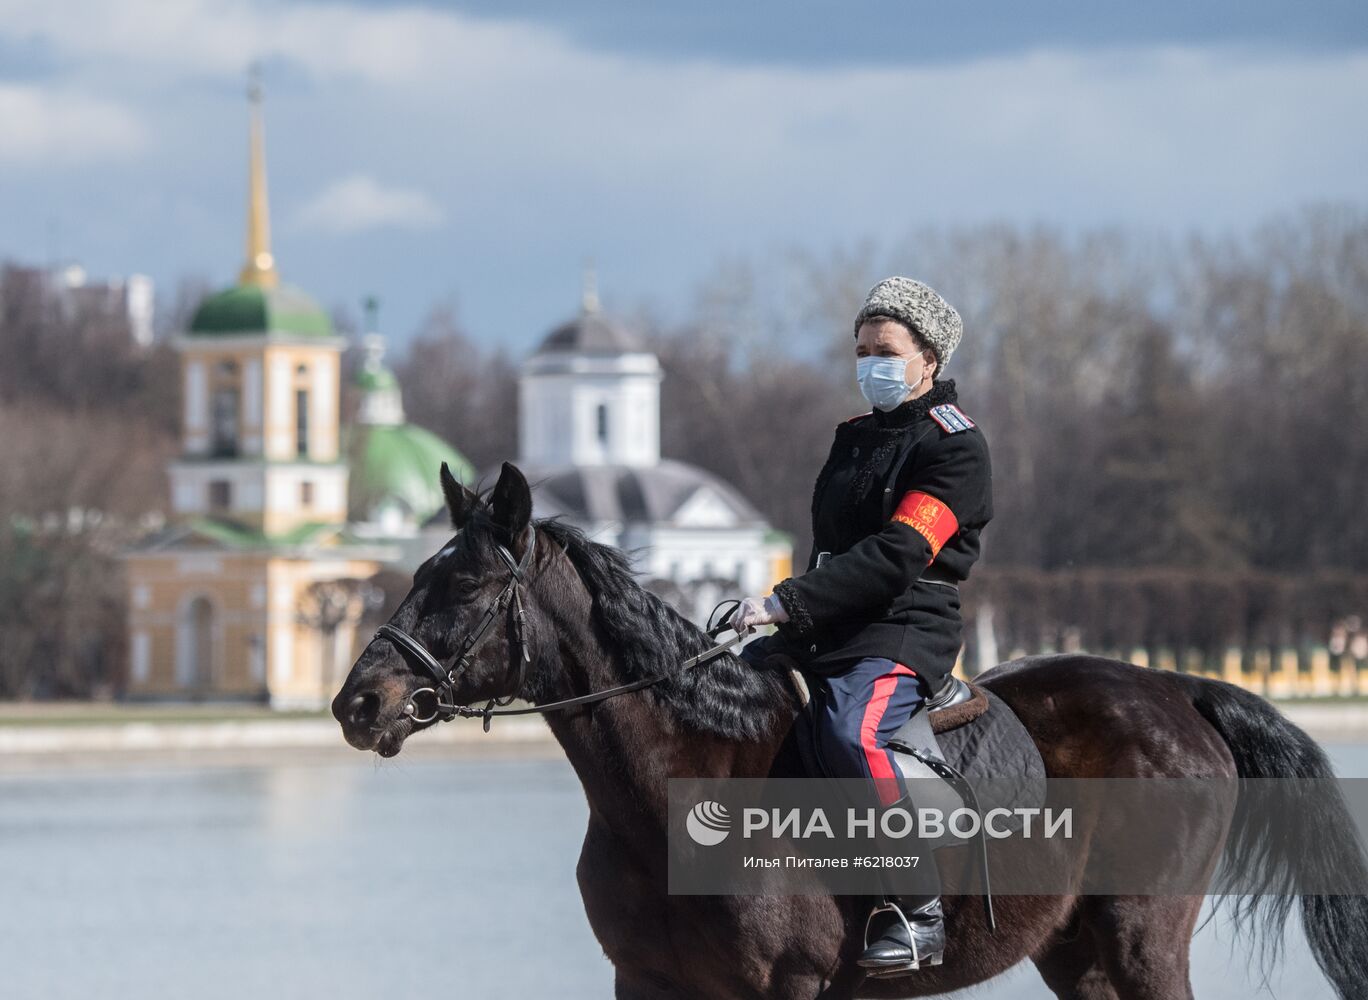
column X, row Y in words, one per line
column 920, row 308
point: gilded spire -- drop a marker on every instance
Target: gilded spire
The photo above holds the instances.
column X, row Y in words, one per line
column 260, row 267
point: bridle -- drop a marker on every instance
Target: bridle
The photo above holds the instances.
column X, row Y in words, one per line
column 436, row 702
column 429, row 704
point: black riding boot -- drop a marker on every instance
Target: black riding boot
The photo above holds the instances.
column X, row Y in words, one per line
column 906, row 932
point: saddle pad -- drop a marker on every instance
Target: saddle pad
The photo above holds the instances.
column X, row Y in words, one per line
column 994, row 747
column 994, row 753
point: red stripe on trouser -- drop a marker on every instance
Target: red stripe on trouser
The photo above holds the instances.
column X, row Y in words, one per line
column 880, row 767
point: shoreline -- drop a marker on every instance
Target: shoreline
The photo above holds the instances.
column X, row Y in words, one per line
column 42, row 739
column 68, row 741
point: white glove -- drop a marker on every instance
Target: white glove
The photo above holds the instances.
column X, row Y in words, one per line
column 753, row 612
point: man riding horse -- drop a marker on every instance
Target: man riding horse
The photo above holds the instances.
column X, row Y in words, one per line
column 875, row 621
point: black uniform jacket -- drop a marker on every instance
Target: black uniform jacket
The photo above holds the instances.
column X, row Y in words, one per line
column 899, row 504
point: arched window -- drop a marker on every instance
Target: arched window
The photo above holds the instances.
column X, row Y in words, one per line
column 225, row 439
column 196, row 668
column 302, row 422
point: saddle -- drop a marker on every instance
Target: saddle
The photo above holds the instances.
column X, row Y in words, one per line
column 956, row 704
column 964, row 726
column 965, row 750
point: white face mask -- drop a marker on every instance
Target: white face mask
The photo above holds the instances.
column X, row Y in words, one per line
column 883, row 381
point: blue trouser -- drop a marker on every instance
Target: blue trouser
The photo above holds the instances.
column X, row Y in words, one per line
column 855, row 714
column 858, row 711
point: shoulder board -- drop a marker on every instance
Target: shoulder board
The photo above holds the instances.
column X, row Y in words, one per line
column 950, row 417
column 859, row 416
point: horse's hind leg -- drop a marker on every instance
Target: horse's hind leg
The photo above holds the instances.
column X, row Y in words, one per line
column 1143, row 942
column 1072, row 966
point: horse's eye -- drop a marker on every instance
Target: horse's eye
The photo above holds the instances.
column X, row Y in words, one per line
column 463, row 586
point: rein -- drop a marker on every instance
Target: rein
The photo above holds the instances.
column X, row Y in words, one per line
column 437, row 702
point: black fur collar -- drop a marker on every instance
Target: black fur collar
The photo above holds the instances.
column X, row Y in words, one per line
column 914, row 409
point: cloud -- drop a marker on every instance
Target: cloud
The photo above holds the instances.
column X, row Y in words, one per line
column 547, row 149
column 1144, row 132
column 402, row 44
column 357, row 203
column 47, row 128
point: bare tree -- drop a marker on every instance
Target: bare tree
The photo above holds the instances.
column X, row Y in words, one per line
column 466, row 395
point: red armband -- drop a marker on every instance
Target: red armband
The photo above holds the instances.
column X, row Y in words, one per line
column 931, row 519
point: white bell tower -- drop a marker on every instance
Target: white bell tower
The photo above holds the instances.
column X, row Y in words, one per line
column 590, row 395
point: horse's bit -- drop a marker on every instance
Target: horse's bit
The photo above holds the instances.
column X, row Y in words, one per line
column 428, row 704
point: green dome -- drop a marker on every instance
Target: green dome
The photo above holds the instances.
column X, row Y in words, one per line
column 252, row 309
column 376, row 379
column 398, row 464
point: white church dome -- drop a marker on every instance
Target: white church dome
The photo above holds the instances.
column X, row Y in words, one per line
column 591, row 333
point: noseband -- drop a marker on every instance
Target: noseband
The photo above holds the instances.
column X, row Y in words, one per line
column 436, row 702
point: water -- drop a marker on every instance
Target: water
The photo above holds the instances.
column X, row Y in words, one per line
column 409, row 879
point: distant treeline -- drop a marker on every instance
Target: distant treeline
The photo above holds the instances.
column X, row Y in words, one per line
column 1179, row 429
column 1195, row 618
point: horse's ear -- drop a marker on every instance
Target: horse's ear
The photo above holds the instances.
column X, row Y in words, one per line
column 461, row 502
column 511, row 504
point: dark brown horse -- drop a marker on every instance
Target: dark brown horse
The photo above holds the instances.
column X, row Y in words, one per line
column 590, row 626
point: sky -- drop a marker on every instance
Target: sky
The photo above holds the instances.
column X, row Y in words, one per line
column 476, row 154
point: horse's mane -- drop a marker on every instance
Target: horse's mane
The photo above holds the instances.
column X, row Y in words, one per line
column 725, row 697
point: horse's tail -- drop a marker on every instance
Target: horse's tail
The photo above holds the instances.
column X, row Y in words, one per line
column 1313, row 845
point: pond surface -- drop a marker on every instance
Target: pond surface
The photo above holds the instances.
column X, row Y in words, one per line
column 338, row 881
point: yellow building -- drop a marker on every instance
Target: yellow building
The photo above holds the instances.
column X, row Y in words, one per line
column 255, row 590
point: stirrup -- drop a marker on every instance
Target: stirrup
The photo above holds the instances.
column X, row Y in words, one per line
column 900, row 968
column 906, row 969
